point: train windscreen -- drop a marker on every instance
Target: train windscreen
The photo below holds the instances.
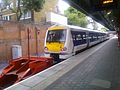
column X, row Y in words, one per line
column 56, row 36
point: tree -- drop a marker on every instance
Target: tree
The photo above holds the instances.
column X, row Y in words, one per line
column 33, row 5
column 104, row 29
column 16, row 9
column 75, row 17
column 23, row 6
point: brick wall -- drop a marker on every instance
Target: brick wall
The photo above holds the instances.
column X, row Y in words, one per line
column 12, row 33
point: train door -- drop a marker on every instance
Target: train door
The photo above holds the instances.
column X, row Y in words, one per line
column 87, row 39
column 69, row 42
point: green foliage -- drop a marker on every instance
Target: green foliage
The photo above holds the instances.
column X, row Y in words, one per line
column 104, row 29
column 35, row 5
column 32, row 5
column 24, row 6
column 16, row 9
column 6, row 2
column 75, row 17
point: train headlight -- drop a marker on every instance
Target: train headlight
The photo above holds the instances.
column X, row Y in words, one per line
column 64, row 49
column 45, row 49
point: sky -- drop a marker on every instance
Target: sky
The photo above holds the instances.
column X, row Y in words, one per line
column 62, row 6
column 91, row 26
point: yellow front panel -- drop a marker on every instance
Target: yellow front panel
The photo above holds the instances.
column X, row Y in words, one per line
column 57, row 28
column 55, row 46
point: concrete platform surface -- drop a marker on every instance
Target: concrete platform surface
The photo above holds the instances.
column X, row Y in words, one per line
column 94, row 69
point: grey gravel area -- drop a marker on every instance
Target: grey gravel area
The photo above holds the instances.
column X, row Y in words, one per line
column 3, row 64
column 100, row 71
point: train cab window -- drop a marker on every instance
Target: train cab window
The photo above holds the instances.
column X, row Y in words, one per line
column 56, row 36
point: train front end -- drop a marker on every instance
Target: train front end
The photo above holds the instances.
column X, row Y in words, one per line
column 55, row 41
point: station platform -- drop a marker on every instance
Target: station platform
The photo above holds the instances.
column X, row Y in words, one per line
column 97, row 68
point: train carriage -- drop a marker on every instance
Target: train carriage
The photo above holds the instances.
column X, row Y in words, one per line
column 64, row 41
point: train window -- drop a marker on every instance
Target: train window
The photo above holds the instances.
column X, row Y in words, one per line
column 92, row 37
column 99, row 37
column 56, row 36
column 78, row 37
column 84, row 36
column 73, row 36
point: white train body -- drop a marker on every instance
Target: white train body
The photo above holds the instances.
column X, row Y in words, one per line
column 64, row 41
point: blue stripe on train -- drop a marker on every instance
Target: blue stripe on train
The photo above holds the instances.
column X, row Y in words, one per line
column 79, row 38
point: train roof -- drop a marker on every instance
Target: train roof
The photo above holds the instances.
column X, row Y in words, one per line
column 74, row 27
column 84, row 29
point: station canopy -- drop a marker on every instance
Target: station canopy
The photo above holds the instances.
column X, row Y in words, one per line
column 106, row 12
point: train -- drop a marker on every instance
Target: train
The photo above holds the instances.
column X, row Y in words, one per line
column 64, row 41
